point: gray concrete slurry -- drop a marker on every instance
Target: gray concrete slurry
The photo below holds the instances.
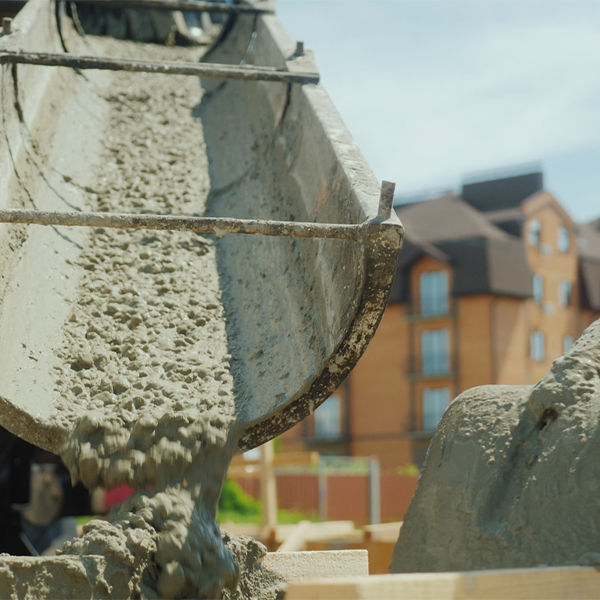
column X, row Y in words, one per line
column 512, row 475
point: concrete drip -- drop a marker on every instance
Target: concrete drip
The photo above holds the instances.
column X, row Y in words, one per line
column 144, row 363
column 142, row 380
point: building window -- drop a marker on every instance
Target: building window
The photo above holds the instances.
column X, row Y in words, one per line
column 535, row 230
column 435, row 402
column 537, row 346
column 564, row 241
column 433, row 291
column 435, row 352
column 567, row 342
column 328, row 419
column 564, row 293
column 538, row 289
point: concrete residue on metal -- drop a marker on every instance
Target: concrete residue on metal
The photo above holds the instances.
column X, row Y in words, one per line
column 166, row 67
column 145, row 363
column 512, row 475
column 276, row 152
column 120, row 357
column 146, row 340
column 320, row 301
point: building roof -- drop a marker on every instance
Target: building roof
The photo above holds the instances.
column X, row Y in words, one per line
column 480, row 266
column 505, row 214
column 490, row 266
column 451, row 231
column 446, row 218
column 504, row 193
column 509, row 220
column 480, row 235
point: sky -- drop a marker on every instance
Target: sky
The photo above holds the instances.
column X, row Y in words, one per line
column 437, row 90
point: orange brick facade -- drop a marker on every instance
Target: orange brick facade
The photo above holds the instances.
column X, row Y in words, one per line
column 489, row 341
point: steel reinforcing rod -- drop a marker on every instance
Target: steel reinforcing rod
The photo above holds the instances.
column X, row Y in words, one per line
column 218, row 225
column 223, row 71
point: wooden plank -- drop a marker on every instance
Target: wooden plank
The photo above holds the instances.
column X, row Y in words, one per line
column 313, row 536
column 325, row 531
column 330, row 530
column 380, row 554
column 252, row 529
column 333, row 530
column 329, row 564
column 383, row 532
column 296, row 540
column 268, row 488
column 547, row 583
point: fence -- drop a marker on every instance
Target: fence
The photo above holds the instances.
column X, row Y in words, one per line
column 340, row 488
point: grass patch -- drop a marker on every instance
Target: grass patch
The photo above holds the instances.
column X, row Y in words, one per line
column 237, row 506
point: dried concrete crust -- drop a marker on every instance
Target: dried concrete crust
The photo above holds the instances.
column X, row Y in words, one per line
column 95, row 577
column 512, row 476
column 28, row 578
column 262, row 576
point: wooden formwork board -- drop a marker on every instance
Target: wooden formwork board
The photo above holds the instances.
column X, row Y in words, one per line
column 548, row 583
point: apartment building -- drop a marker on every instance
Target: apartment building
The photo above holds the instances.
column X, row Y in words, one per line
column 491, row 286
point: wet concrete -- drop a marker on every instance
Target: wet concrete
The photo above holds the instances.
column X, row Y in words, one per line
column 512, row 475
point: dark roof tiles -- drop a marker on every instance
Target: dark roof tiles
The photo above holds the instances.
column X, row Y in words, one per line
column 446, row 218
column 489, row 266
column 502, row 193
column 486, row 249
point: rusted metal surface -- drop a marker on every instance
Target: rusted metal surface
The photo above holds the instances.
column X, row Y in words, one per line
column 217, row 225
column 220, row 71
column 386, row 200
column 381, row 255
column 340, row 290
